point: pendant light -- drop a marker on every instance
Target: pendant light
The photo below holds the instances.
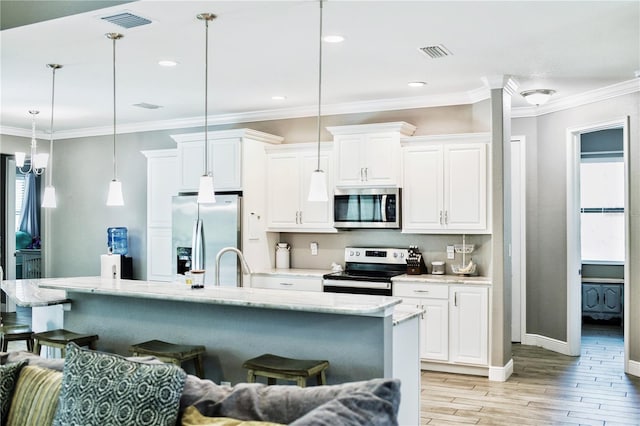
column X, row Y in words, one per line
column 115, row 186
column 37, row 162
column 49, row 199
column 206, row 192
column 318, row 183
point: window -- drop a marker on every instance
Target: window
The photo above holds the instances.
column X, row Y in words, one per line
column 602, row 209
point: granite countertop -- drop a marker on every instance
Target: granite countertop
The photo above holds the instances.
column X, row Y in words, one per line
column 312, row 273
column 26, row 293
column 404, row 313
column 443, row 279
column 333, row 303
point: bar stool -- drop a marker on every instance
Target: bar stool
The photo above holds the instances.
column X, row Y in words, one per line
column 60, row 338
column 276, row 367
column 171, row 352
column 15, row 332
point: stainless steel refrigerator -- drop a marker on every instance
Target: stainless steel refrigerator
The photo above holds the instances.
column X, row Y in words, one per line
column 199, row 231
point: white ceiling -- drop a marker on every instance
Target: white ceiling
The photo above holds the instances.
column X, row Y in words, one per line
column 263, row 48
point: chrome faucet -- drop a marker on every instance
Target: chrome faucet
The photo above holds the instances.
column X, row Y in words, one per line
column 243, row 262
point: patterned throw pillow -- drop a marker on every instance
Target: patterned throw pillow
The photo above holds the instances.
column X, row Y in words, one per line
column 8, row 378
column 100, row 389
column 35, row 397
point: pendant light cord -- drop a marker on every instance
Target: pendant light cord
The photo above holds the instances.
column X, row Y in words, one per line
column 206, row 96
column 115, row 171
column 319, row 84
column 54, row 67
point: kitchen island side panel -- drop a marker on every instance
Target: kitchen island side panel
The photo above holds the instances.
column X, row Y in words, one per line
column 356, row 346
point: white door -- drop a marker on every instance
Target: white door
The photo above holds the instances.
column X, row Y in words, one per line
column 380, row 153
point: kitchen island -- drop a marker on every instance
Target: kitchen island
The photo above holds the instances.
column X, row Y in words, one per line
column 356, row 333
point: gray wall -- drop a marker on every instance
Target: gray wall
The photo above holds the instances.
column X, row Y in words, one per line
column 546, row 213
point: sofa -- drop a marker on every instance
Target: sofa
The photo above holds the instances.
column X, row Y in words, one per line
column 95, row 388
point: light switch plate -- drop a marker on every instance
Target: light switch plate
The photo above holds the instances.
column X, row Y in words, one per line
column 314, row 248
column 450, row 253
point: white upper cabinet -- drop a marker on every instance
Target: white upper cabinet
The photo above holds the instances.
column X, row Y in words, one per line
column 225, row 157
column 289, row 169
column 445, row 184
column 368, row 154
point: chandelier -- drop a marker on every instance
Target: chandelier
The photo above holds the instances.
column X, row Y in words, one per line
column 36, row 162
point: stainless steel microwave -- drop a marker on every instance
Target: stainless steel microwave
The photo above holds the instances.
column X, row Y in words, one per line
column 366, row 208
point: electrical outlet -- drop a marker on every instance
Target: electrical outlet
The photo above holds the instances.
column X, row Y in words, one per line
column 450, row 253
column 314, row 248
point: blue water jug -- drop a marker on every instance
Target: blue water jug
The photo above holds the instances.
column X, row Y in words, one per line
column 117, row 240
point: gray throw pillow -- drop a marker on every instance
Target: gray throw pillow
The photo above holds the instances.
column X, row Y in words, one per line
column 285, row 404
column 101, row 389
column 8, row 377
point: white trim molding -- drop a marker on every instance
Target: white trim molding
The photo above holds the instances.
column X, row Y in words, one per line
column 546, row 343
column 633, row 368
column 601, row 94
column 501, row 374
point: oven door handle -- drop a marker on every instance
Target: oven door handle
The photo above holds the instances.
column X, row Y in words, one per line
column 357, row 284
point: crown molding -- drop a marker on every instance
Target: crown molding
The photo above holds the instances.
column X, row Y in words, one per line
column 458, row 98
column 255, row 135
column 402, row 127
column 596, row 95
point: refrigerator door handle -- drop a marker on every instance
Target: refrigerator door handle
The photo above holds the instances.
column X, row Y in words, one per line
column 197, row 248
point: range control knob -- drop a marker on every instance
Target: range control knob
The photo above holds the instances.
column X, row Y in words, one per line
column 395, row 254
column 357, row 253
column 351, row 253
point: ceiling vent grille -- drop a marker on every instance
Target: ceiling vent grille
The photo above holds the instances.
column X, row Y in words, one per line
column 146, row 105
column 126, row 20
column 435, row 52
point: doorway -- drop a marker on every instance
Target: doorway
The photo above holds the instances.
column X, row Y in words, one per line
column 574, row 231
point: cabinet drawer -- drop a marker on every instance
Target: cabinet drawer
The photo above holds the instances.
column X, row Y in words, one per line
column 285, row 282
column 422, row 290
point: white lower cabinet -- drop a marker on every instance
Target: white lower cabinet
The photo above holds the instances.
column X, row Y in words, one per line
column 286, row 282
column 469, row 324
column 454, row 326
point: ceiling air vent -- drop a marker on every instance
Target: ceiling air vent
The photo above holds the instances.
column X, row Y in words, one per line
column 147, row 106
column 126, row 20
column 435, row 52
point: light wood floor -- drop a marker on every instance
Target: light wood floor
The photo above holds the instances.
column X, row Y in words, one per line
column 546, row 388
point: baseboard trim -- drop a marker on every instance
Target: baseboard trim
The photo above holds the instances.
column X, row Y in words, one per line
column 501, row 374
column 454, row 368
column 634, row 368
column 547, row 343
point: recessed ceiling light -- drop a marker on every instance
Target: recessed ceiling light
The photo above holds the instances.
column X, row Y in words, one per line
column 167, row 63
column 333, row 39
column 416, row 83
column 278, row 98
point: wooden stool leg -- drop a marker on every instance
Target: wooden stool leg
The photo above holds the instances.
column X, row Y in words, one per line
column 251, row 378
column 37, row 347
column 301, row 381
column 5, row 344
column 199, row 368
column 322, row 379
column 30, row 344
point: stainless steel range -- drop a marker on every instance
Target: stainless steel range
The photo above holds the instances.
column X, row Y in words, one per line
column 367, row 271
